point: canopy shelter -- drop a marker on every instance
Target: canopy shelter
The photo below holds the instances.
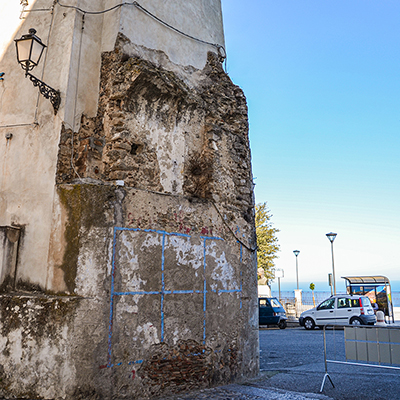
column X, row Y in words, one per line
column 377, row 288
column 373, row 280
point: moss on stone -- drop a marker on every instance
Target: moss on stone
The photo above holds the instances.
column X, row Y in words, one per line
column 85, row 206
column 48, row 314
column 71, row 199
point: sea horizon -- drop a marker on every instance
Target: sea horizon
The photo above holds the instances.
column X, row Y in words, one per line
column 322, row 286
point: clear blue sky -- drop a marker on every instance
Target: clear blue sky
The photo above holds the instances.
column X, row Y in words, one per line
column 322, row 84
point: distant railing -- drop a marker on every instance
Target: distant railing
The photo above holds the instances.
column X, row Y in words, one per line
column 307, row 299
column 319, row 297
column 396, row 299
column 293, row 308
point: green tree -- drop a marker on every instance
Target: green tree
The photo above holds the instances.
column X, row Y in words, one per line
column 312, row 287
column 267, row 242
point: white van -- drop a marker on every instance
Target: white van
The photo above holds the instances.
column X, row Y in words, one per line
column 341, row 309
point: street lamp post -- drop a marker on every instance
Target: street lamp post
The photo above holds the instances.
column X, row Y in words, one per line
column 296, row 253
column 331, row 236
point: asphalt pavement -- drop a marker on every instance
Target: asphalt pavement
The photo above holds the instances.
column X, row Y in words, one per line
column 292, row 367
column 247, row 391
column 295, row 359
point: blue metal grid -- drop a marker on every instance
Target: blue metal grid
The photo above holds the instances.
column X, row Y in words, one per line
column 162, row 292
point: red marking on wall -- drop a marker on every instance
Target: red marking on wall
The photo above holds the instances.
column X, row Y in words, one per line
column 204, row 231
column 130, row 219
column 133, row 374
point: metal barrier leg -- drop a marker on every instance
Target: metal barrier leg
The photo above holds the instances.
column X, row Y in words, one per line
column 326, row 366
column 323, row 382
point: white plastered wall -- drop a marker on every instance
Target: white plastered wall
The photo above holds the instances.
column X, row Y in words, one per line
column 29, row 158
column 201, row 19
column 71, row 64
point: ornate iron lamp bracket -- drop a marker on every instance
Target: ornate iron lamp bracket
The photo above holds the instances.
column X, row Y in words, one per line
column 47, row 91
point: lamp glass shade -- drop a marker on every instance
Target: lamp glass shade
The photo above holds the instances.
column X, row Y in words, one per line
column 331, row 236
column 36, row 51
column 296, row 252
column 23, row 49
column 29, row 50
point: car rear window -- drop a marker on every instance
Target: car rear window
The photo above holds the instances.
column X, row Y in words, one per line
column 275, row 303
column 366, row 302
column 355, row 302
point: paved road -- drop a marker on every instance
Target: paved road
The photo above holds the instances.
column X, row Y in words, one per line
column 294, row 359
column 246, row 392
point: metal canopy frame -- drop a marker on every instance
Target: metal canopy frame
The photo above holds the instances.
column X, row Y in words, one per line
column 369, row 280
column 374, row 281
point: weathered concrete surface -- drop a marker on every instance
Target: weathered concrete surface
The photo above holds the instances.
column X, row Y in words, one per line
column 155, row 311
column 135, row 274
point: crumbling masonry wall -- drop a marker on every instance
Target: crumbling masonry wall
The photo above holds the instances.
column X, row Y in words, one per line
column 157, row 131
column 154, row 280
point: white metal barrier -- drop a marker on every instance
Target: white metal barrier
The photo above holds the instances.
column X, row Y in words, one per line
column 365, row 345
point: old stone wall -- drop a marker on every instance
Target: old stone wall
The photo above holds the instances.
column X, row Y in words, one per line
column 152, row 120
column 163, row 302
column 151, row 277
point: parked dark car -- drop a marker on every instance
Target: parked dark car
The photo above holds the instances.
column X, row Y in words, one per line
column 271, row 312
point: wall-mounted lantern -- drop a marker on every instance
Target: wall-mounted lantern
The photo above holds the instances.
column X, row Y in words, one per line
column 29, row 50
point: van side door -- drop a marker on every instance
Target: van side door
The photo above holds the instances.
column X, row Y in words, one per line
column 265, row 311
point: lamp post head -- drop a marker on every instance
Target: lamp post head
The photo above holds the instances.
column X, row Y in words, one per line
column 279, row 273
column 296, row 252
column 29, row 50
column 331, row 236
